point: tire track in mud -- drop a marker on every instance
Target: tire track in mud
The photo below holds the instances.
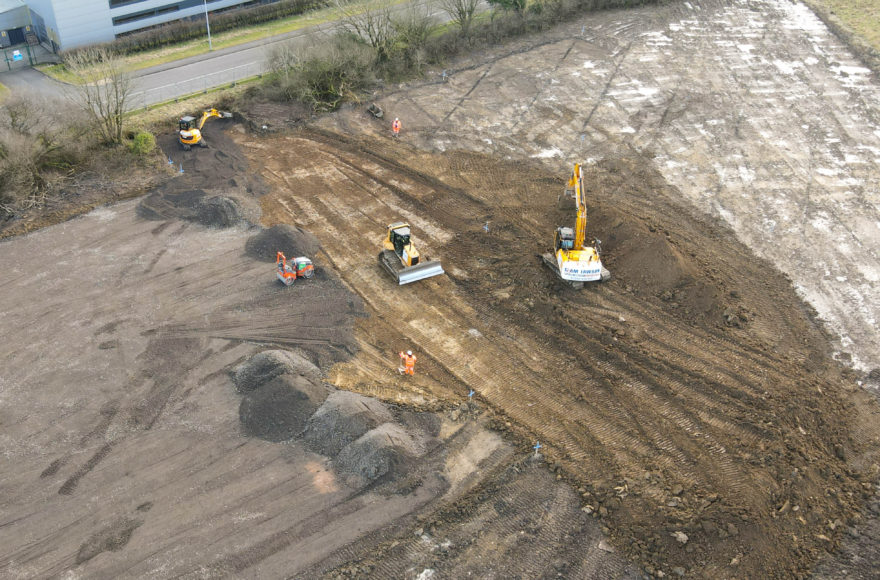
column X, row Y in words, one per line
column 685, row 399
column 508, row 377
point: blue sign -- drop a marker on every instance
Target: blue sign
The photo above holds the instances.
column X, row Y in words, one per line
column 16, row 55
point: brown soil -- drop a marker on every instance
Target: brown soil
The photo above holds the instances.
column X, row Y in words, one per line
column 691, row 397
column 692, row 419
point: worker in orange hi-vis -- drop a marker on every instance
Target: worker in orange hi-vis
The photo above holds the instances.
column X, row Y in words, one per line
column 395, row 127
column 409, row 363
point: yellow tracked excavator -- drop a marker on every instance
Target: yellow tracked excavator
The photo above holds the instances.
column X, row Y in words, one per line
column 191, row 128
column 572, row 260
column 401, row 258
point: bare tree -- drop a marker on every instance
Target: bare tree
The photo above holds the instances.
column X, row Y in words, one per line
column 371, row 22
column 103, row 91
column 38, row 147
column 461, row 12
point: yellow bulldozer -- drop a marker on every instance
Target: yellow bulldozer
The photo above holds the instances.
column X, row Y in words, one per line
column 401, row 258
column 191, row 128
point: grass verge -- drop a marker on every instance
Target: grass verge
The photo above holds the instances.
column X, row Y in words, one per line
column 856, row 23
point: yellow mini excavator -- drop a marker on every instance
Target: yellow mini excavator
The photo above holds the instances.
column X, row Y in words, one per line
column 573, row 261
column 191, row 128
column 401, row 258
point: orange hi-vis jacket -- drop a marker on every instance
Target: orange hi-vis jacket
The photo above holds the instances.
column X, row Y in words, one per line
column 409, row 361
column 395, row 126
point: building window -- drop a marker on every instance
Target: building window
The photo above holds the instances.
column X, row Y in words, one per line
column 145, row 14
column 118, row 3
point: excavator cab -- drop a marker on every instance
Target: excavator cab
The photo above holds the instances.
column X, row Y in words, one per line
column 187, row 123
column 564, row 238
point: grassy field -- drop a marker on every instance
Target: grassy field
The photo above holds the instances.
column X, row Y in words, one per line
column 857, row 22
column 862, row 16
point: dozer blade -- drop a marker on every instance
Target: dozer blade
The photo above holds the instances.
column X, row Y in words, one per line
column 391, row 262
column 419, row 272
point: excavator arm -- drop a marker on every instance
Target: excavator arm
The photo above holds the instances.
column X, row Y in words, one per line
column 580, row 228
column 213, row 113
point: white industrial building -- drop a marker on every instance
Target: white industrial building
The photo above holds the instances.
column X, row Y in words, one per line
column 67, row 24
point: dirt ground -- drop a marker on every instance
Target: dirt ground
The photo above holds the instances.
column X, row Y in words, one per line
column 700, row 414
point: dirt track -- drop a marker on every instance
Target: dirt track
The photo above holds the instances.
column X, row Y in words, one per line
column 690, row 409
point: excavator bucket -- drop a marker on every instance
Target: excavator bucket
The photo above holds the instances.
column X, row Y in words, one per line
column 404, row 275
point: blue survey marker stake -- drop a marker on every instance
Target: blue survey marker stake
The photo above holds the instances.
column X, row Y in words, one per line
column 170, row 161
column 486, row 227
column 181, row 168
column 471, row 394
column 536, row 447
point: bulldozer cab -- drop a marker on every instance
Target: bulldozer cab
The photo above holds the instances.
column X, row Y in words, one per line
column 187, row 123
column 399, row 238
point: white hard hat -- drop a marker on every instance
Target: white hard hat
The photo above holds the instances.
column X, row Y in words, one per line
column 396, row 119
column 409, row 352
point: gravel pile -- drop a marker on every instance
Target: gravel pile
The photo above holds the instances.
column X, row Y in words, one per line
column 280, row 409
column 265, row 366
column 380, row 451
column 342, row 419
column 281, row 238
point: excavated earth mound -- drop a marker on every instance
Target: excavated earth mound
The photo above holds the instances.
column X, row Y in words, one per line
column 691, row 399
column 291, row 240
column 280, row 409
column 206, row 184
column 218, row 211
column 265, row 366
column 380, row 451
column 343, row 418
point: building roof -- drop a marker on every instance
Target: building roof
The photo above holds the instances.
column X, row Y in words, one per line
column 10, row 5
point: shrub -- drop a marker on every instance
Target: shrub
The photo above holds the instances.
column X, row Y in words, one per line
column 143, row 143
column 322, row 76
column 40, row 143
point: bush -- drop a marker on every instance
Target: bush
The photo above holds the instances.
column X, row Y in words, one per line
column 322, row 76
column 41, row 142
column 143, row 143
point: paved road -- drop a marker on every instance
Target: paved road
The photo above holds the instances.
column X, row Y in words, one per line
column 198, row 73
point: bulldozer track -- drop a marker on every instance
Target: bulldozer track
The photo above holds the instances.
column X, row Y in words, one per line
column 711, row 395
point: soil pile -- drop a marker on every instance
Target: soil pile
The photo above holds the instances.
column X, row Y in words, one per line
column 380, row 451
column 342, row 419
column 218, row 211
column 279, row 409
column 291, row 240
column 682, row 397
column 265, row 366
column 210, row 185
